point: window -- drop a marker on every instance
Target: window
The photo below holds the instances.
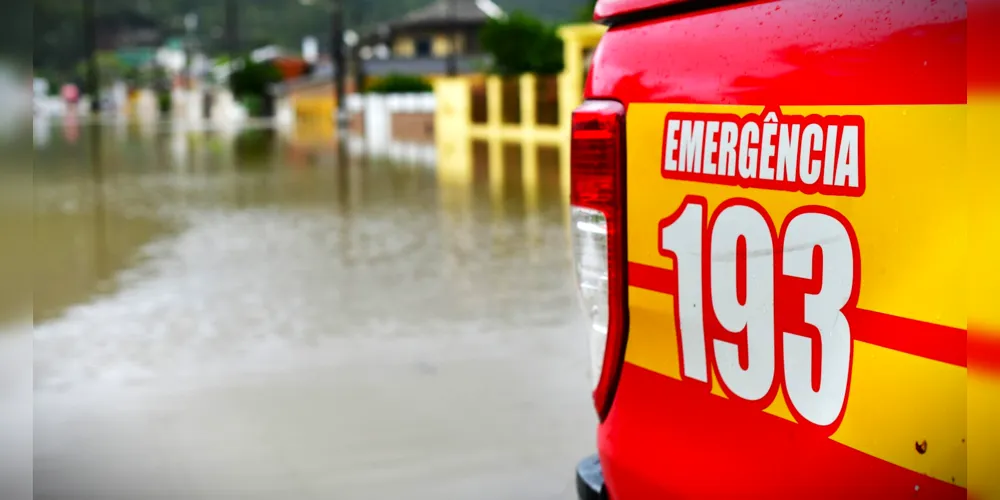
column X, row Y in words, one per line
column 422, row 47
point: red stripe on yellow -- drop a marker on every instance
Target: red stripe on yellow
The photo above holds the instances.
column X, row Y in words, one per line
column 711, row 447
column 652, row 278
column 984, row 353
column 918, row 338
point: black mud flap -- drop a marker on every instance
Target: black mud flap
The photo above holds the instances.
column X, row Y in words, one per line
column 590, row 479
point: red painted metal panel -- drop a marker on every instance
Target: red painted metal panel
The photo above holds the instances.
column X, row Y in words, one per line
column 712, row 448
column 664, row 439
column 792, row 52
column 609, row 8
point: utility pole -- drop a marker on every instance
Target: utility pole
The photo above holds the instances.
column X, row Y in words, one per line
column 452, row 61
column 337, row 60
column 90, row 47
column 232, row 30
column 358, row 63
column 190, row 24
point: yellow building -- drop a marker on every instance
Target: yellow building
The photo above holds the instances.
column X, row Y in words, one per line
column 509, row 111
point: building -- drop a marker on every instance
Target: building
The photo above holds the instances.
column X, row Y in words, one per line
column 422, row 41
column 132, row 37
column 127, row 29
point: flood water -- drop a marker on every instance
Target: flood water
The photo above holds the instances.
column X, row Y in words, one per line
column 256, row 316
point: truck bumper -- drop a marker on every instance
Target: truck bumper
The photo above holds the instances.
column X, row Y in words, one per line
column 590, row 479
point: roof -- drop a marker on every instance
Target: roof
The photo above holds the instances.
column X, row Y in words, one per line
column 323, row 74
column 423, row 66
column 459, row 11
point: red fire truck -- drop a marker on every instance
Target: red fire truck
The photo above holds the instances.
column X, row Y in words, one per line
column 769, row 219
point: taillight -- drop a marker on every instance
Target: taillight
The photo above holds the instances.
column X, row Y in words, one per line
column 597, row 217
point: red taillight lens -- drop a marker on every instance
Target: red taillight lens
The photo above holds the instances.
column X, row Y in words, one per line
column 597, row 199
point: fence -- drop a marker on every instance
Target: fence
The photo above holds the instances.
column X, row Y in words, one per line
column 394, row 125
column 521, row 109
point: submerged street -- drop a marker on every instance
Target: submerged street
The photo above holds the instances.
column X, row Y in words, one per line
column 256, row 317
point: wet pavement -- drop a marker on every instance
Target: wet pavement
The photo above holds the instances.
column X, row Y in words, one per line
column 255, row 317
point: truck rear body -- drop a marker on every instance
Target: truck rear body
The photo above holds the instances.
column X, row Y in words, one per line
column 792, row 223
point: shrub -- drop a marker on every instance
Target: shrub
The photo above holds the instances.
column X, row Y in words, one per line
column 251, row 84
column 399, row 84
column 254, row 104
column 165, row 101
column 254, row 79
column 520, row 43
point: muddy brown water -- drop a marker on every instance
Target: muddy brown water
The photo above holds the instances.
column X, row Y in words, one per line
column 256, row 317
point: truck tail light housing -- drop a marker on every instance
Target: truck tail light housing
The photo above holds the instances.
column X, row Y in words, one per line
column 597, row 218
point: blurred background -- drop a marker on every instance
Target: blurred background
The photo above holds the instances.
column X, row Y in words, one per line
column 295, row 249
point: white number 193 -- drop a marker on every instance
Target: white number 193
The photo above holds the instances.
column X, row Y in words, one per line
column 782, row 294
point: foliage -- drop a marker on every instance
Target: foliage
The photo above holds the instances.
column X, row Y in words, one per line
column 159, row 79
column 109, row 68
column 254, row 79
column 134, row 77
column 254, row 104
column 251, row 83
column 586, row 12
column 398, row 84
column 165, row 101
column 57, row 28
column 520, row 43
column 54, row 78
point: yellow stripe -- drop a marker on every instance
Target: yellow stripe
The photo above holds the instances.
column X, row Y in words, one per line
column 984, row 436
column 984, row 283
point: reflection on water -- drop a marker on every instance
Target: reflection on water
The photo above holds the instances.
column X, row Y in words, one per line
column 101, row 199
column 381, row 326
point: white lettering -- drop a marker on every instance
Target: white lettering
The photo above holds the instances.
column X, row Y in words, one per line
column 683, row 238
column 829, row 158
column 824, row 311
column 788, row 148
column 692, row 136
column 711, row 146
column 826, row 343
column 669, row 163
column 847, row 161
column 827, row 154
column 767, row 151
column 727, row 148
column 755, row 314
column 748, row 153
column 809, row 171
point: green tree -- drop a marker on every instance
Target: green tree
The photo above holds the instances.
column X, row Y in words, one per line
column 109, row 69
column 520, row 43
column 586, row 13
column 56, row 29
column 395, row 84
column 254, row 79
column 252, row 82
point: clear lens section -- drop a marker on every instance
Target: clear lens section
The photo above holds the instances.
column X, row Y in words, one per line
column 590, row 253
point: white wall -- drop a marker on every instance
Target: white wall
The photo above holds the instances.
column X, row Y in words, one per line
column 147, row 107
column 284, row 115
column 378, row 110
column 226, row 112
column 188, row 106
